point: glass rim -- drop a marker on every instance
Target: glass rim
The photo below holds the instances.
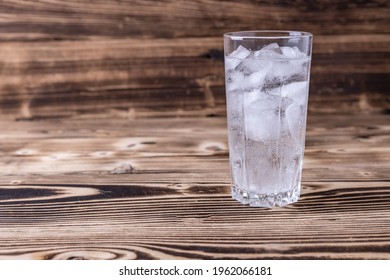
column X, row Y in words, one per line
column 267, row 34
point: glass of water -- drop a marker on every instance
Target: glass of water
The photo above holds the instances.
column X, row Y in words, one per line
column 267, row 82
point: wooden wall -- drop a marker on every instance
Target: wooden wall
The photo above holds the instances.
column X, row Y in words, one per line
column 165, row 58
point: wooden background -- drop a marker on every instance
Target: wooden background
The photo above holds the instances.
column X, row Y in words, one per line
column 60, row 58
column 113, row 132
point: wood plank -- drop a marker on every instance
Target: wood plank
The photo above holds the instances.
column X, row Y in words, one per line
column 59, row 20
column 332, row 221
column 174, row 76
column 65, row 192
column 108, row 56
column 100, row 145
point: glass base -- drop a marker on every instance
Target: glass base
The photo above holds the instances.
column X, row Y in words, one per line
column 266, row 200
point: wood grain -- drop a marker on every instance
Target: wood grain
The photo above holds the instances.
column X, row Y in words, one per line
column 109, row 55
column 60, row 199
column 30, row 20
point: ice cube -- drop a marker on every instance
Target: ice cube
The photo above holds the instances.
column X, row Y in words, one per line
column 253, row 65
column 269, row 54
column 233, row 59
column 288, row 52
column 244, row 79
column 298, row 53
column 234, row 80
column 273, row 51
column 231, row 63
column 235, row 106
column 241, row 52
column 296, row 111
column 296, row 91
column 271, row 46
column 255, row 80
column 262, row 118
column 290, row 69
column 294, row 116
column 252, row 96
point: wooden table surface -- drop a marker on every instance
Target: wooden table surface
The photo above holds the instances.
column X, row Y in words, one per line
column 113, row 139
column 103, row 187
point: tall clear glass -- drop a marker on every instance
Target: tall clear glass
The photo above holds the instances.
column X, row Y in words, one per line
column 267, row 82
